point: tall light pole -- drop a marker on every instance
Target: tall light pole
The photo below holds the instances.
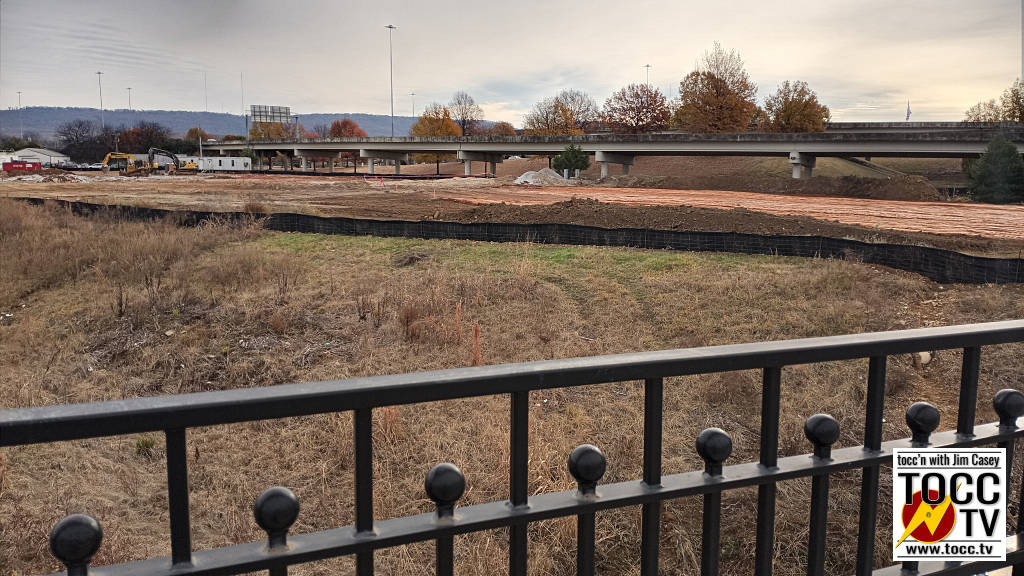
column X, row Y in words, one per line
column 99, row 80
column 648, row 67
column 129, row 99
column 391, row 75
column 21, row 117
column 413, row 94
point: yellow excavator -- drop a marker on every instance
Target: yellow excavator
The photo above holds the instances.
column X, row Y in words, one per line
column 176, row 166
column 126, row 164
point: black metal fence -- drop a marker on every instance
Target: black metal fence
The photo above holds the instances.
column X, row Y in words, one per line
column 77, row 538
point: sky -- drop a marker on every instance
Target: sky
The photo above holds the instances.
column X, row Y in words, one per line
column 865, row 59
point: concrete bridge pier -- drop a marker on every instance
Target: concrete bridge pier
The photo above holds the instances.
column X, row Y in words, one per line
column 615, row 158
column 468, row 158
column 803, row 164
column 396, row 157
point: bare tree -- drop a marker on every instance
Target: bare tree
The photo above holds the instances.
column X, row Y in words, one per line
column 729, row 67
column 984, row 112
column 76, row 132
column 322, row 130
column 570, row 112
column 465, row 112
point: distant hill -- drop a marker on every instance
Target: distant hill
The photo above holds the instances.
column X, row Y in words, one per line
column 44, row 120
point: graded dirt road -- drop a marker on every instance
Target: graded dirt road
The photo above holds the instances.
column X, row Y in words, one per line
column 988, row 220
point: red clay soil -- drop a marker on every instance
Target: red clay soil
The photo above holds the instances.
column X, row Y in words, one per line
column 589, row 212
column 988, row 220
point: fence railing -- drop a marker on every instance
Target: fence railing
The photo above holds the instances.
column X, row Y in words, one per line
column 76, row 539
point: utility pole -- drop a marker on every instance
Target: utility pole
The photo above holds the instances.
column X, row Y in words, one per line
column 391, row 75
column 99, row 80
column 413, row 94
column 21, row 117
column 129, row 99
column 648, row 67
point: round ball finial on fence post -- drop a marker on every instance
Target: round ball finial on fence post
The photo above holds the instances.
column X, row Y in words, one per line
column 587, row 465
column 922, row 419
column 1009, row 405
column 74, row 541
column 445, row 484
column 714, row 445
column 823, row 431
column 276, row 510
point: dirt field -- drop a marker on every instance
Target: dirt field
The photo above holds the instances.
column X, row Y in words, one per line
column 834, row 177
column 975, row 228
column 100, row 309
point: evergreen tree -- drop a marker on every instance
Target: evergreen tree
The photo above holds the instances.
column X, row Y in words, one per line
column 572, row 158
column 998, row 176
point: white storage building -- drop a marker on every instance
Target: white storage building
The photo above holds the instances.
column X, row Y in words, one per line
column 44, row 156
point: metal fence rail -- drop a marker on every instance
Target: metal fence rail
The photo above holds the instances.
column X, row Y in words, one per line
column 77, row 538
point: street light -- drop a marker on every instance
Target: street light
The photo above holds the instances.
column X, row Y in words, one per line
column 391, row 75
column 413, row 94
column 129, row 99
column 21, row 117
column 99, row 80
column 648, row 66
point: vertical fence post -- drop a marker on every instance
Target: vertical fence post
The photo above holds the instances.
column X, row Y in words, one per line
column 869, row 479
column 1009, row 405
column 650, row 514
column 445, row 484
column 177, row 497
column 968, row 404
column 74, row 541
column 519, row 478
column 587, row 465
column 771, row 391
column 822, row 430
column 363, row 423
column 714, row 446
column 275, row 511
column 922, row 419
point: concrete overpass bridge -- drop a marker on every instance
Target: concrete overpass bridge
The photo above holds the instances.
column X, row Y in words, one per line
column 956, row 140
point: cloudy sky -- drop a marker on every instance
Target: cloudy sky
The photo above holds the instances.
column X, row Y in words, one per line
column 865, row 59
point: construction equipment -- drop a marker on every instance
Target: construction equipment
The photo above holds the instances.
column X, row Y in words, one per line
column 125, row 164
column 176, row 166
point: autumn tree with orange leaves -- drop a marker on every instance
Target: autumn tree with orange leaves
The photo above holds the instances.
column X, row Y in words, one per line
column 345, row 128
column 436, row 121
column 636, row 108
column 794, row 107
column 718, row 96
column 275, row 130
column 196, row 133
column 501, row 129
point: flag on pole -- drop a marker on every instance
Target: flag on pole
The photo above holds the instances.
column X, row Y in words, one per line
column 908, row 111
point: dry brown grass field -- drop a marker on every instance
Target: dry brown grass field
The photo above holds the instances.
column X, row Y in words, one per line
column 97, row 308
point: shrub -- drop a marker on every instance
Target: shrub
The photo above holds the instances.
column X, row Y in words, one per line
column 998, row 176
column 572, row 158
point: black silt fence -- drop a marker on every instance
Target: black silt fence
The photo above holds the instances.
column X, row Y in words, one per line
column 940, row 265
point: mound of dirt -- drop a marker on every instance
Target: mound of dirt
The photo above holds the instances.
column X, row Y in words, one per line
column 913, row 188
column 543, row 177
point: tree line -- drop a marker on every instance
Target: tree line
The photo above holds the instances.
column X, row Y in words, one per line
column 717, row 96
